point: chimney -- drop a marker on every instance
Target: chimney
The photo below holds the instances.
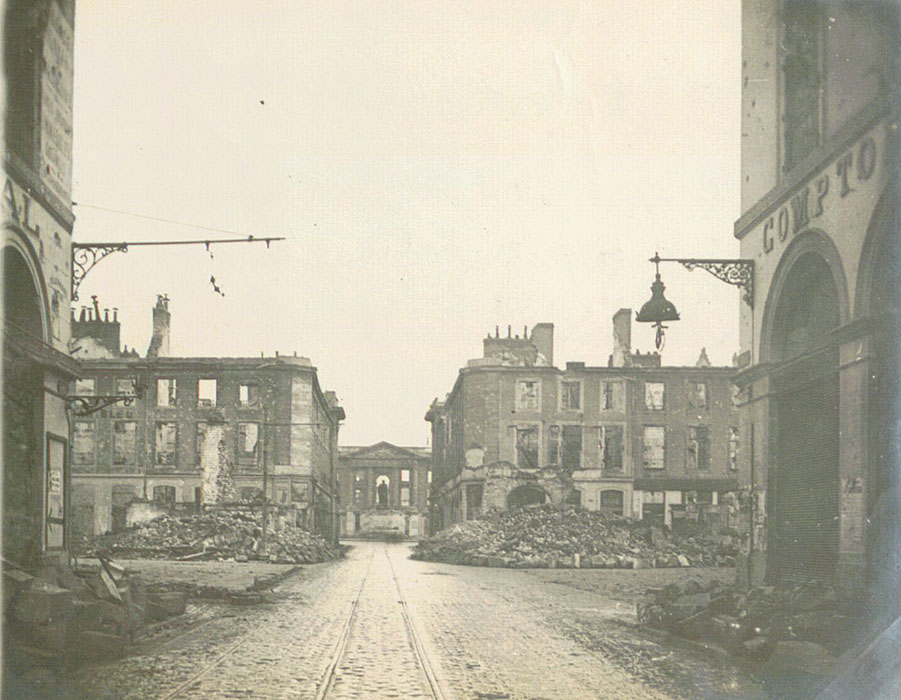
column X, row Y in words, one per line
column 543, row 339
column 159, row 341
column 622, row 338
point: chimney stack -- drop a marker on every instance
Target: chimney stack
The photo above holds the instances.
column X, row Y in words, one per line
column 622, row 338
column 159, row 341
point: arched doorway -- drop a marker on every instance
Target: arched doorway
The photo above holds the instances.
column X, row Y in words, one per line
column 883, row 306
column 806, row 388
column 526, row 495
column 22, row 420
column 382, row 491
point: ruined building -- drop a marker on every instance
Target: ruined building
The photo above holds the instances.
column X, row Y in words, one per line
column 205, row 430
column 632, row 438
column 384, row 490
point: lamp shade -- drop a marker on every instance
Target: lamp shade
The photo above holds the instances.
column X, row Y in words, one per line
column 657, row 309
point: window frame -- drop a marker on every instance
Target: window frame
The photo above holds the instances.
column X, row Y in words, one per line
column 644, row 447
column 520, row 406
column 242, row 454
column 200, row 400
column 562, row 392
column 79, row 457
column 171, row 392
column 602, row 447
column 734, row 438
column 156, row 450
column 562, row 454
column 604, row 395
column 250, row 401
column 702, row 448
column 654, row 409
column 522, row 427
column 134, row 442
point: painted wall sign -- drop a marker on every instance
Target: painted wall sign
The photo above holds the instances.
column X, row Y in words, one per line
column 805, row 206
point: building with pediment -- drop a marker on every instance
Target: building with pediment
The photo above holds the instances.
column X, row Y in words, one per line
column 384, row 490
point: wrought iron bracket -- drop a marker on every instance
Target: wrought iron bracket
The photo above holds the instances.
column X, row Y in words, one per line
column 86, row 255
column 737, row 272
column 86, row 405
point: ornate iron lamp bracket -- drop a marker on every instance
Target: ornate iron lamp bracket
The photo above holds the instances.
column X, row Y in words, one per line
column 86, row 405
column 86, row 255
column 738, row 272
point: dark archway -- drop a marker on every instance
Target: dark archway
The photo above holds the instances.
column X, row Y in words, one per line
column 808, row 307
column 526, row 495
column 21, row 300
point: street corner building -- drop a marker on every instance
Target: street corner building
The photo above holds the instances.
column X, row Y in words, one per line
column 633, row 438
column 820, row 334
column 198, row 431
column 384, row 490
column 37, row 278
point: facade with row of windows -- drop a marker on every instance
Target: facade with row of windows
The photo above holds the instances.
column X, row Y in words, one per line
column 204, row 431
column 637, row 440
column 384, row 490
column 820, row 340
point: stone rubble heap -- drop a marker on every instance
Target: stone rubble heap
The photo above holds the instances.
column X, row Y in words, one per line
column 213, row 535
column 810, row 621
column 546, row 536
column 91, row 613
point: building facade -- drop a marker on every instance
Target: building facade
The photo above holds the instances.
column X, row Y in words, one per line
column 820, row 343
column 633, row 438
column 37, row 276
column 384, row 489
column 205, row 430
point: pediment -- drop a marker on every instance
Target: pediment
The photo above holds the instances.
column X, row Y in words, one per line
column 380, row 450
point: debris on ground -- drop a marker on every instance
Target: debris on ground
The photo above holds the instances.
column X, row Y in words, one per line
column 804, row 626
column 86, row 613
column 234, row 534
column 545, row 536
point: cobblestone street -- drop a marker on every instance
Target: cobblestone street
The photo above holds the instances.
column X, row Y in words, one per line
column 380, row 625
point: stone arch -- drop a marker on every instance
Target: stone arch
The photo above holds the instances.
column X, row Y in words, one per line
column 880, row 259
column 25, row 304
column 808, row 297
column 525, row 495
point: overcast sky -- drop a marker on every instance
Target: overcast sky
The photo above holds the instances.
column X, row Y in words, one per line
column 437, row 169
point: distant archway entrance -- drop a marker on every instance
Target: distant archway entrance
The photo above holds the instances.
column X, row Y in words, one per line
column 381, row 491
column 526, row 495
column 806, row 384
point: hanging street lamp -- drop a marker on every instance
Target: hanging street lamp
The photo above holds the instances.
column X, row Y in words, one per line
column 657, row 309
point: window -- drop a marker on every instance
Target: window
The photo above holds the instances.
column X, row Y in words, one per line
column 358, row 495
column 553, row 446
column 124, row 432
column 165, row 393
column 611, row 502
column 527, row 447
column 84, row 387
column 653, row 396
column 83, row 442
column 164, row 495
column 248, row 394
column 248, row 437
column 164, row 452
column 405, row 475
column 527, row 395
column 697, row 395
column 428, row 477
column 405, row 495
column 654, row 444
column 360, row 477
column 611, row 396
column 611, row 445
column 300, row 492
column 125, row 386
column 697, row 453
column 571, row 396
column 571, row 447
column 803, row 80
column 733, row 448
column 206, row 392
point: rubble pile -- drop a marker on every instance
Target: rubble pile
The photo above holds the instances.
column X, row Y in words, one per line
column 212, row 535
column 544, row 536
column 810, row 618
column 91, row 613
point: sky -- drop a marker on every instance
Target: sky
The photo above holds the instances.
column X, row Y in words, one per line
column 437, row 169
